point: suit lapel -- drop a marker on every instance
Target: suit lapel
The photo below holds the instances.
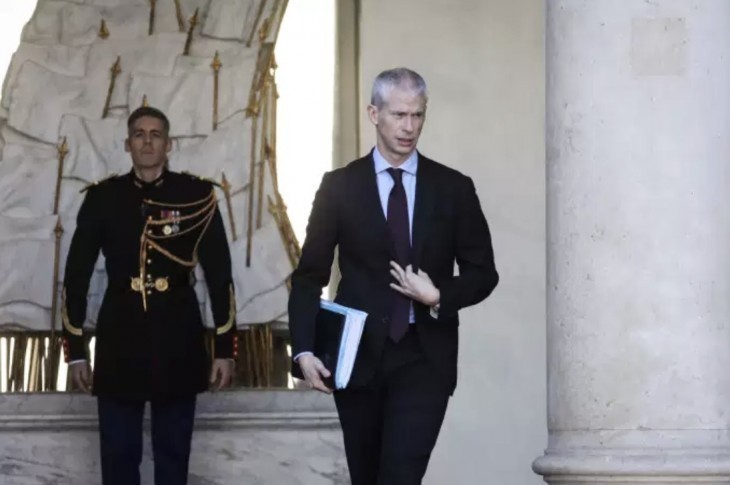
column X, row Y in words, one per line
column 370, row 198
column 425, row 199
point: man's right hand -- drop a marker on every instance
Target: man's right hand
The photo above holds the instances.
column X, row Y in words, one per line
column 81, row 375
column 313, row 370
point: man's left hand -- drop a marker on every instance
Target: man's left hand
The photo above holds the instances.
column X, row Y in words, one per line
column 417, row 286
column 222, row 371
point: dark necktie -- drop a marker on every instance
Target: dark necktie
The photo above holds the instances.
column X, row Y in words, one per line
column 399, row 231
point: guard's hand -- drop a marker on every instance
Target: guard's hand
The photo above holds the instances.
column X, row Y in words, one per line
column 222, row 371
column 81, row 375
column 313, row 370
column 416, row 286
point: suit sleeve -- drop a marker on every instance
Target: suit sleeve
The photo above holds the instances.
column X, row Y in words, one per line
column 474, row 255
column 314, row 268
column 215, row 258
column 80, row 262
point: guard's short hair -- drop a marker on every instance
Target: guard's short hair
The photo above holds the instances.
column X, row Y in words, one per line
column 148, row 111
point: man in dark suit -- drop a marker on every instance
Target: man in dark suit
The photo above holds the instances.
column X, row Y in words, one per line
column 399, row 221
column 153, row 227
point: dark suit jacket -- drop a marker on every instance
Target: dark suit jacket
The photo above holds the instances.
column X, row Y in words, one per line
column 448, row 227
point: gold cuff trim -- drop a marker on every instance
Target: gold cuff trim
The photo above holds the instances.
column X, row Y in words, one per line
column 77, row 332
column 231, row 314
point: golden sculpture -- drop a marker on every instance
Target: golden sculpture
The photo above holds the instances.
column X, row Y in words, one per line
column 179, row 14
column 115, row 70
column 216, row 65
column 226, row 186
column 191, row 28
column 153, row 7
column 103, row 30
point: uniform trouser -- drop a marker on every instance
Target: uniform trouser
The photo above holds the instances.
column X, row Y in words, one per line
column 390, row 426
column 120, row 433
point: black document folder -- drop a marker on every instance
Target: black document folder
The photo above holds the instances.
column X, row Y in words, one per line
column 336, row 340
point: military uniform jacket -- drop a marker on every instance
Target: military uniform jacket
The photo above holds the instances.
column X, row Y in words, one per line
column 149, row 333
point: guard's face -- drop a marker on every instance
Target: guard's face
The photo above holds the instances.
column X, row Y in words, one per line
column 398, row 123
column 148, row 143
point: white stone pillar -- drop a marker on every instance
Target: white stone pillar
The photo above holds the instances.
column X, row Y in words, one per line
column 638, row 229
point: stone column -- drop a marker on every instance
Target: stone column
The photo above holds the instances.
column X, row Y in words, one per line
column 638, row 234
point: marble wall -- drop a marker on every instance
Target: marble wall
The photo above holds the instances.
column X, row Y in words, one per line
column 251, row 437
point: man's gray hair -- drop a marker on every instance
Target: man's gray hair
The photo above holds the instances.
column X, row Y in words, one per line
column 400, row 77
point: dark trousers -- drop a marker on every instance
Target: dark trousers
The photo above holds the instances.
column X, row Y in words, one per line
column 390, row 427
column 120, row 432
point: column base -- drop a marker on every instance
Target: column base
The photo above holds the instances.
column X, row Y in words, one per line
column 665, row 457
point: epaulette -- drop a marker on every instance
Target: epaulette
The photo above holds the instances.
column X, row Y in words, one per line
column 97, row 182
column 205, row 179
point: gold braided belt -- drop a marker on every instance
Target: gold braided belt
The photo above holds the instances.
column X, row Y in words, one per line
column 159, row 284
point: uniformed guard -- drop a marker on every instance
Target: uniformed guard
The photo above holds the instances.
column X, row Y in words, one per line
column 153, row 227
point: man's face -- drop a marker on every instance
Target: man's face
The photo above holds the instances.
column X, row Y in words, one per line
column 398, row 123
column 148, row 143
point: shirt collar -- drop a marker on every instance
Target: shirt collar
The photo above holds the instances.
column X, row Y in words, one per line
column 409, row 166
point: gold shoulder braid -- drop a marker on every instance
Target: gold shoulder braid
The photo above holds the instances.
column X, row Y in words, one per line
column 202, row 214
column 205, row 179
column 97, row 182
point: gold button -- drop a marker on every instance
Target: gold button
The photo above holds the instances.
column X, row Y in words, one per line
column 149, row 292
column 149, row 261
column 149, row 231
column 149, row 218
column 161, row 284
column 149, row 276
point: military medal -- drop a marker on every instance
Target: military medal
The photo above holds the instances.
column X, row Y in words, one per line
column 175, row 219
column 167, row 230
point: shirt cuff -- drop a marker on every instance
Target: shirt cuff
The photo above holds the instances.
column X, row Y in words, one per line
column 434, row 311
column 76, row 361
column 300, row 354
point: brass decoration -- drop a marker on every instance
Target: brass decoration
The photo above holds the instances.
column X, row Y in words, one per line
column 136, row 284
column 216, row 65
column 58, row 232
column 180, row 19
column 272, row 147
column 262, row 155
column 260, row 12
column 226, row 186
column 191, row 28
column 278, row 210
column 145, row 103
column 153, row 7
column 167, row 230
column 103, row 30
column 62, row 149
column 264, row 30
column 252, row 174
column 115, row 70
column 162, row 285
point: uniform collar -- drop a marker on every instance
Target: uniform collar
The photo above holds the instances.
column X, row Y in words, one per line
column 148, row 185
column 409, row 166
